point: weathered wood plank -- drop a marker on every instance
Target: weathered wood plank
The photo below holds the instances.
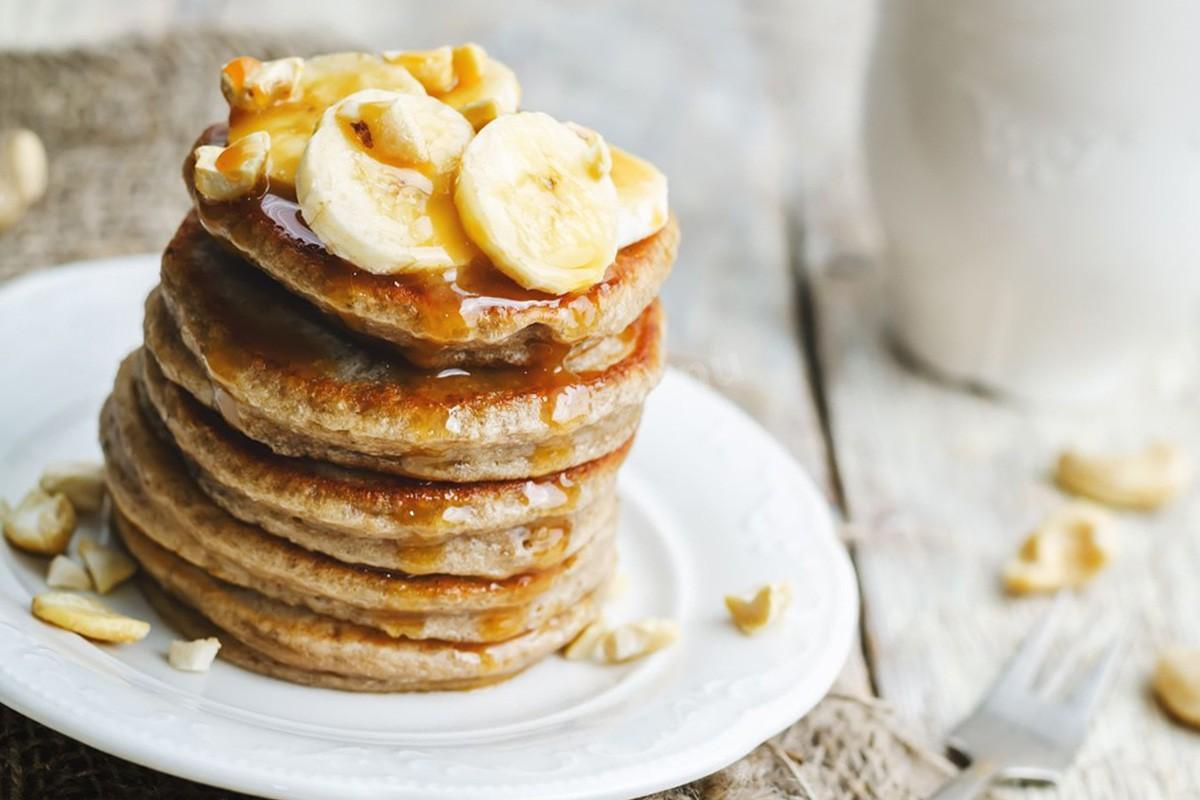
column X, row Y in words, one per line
column 941, row 486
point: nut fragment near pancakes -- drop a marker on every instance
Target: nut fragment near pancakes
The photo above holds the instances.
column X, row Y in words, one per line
column 1142, row 480
column 1066, row 550
column 371, row 440
column 42, row 523
column 81, row 481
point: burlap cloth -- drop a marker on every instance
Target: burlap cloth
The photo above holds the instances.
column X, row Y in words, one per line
column 116, row 121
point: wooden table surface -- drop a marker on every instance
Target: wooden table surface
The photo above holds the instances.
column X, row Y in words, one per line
column 777, row 300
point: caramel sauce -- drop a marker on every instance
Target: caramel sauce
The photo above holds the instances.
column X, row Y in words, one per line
column 492, row 626
column 449, row 303
column 422, row 558
column 446, row 229
column 239, row 68
column 546, row 455
column 550, row 541
column 496, row 626
column 231, row 157
column 250, row 325
column 291, row 123
column 247, row 326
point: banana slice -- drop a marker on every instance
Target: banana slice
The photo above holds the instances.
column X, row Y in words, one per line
column 641, row 191
column 433, row 68
column 374, row 183
column 87, row 617
column 641, row 197
column 465, row 78
column 539, row 200
column 290, row 114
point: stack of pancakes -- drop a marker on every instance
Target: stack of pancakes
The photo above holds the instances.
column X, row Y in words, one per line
column 368, row 482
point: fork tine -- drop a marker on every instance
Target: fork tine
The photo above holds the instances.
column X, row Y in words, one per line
column 1056, row 679
column 1021, row 669
column 1086, row 696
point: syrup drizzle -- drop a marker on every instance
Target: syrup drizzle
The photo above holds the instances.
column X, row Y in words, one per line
column 451, row 303
column 248, row 325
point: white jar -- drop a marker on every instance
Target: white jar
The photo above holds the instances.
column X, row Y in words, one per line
column 1035, row 166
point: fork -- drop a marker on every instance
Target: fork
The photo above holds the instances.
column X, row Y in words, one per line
column 1026, row 728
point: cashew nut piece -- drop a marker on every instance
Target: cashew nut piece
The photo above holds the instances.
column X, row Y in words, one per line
column 768, row 604
column 42, row 523
column 1067, row 549
column 1143, row 480
column 1177, row 684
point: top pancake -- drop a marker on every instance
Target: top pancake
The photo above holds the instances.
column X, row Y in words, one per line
column 282, row 374
column 468, row 315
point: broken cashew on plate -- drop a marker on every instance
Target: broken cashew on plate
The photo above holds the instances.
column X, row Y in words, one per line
column 624, row 643
column 81, row 481
column 1068, row 548
column 88, row 617
column 107, row 566
column 42, row 523
column 768, row 605
column 63, row 573
column 193, row 656
column 1143, row 481
column 1177, row 684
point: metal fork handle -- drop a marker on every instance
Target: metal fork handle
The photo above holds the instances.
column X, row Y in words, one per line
column 969, row 784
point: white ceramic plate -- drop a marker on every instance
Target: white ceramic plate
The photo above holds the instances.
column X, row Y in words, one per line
column 711, row 505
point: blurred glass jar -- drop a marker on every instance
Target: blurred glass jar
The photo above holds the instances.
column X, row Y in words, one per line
column 1035, row 165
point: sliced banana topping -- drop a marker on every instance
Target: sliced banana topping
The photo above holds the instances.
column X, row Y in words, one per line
column 1066, row 550
column 88, row 617
column 481, row 112
column 252, row 85
column 465, row 78
column 641, row 190
column 323, row 81
column 539, row 201
column 1143, row 480
column 108, row 567
column 194, row 656
column 63, row 573
column 239, row 170
column 641, row 197
column 41, row 523
column 374, row 183
column 81, row 481
column 433, row 68
column 766, row 606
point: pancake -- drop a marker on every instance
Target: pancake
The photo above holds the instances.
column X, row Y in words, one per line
column 469, row 315
column 290, row 497
column 153, row 491
column 194, row 625
column 358, row 657
column 258, row 485
column 281, row 374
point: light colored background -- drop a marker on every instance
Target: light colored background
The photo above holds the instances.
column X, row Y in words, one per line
column 750, row 108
